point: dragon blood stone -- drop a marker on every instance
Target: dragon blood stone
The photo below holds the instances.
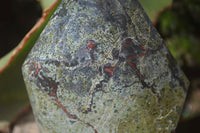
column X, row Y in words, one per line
column 100, row 66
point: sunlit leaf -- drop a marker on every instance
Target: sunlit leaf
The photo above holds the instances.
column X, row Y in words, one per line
column 153, row 7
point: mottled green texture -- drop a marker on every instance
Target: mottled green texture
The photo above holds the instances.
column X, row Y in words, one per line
column 100, row 66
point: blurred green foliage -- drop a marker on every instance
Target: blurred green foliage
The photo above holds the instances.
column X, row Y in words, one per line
column 180, row 27
column 153, row 7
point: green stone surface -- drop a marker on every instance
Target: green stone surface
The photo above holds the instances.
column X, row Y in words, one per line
column 100, row 66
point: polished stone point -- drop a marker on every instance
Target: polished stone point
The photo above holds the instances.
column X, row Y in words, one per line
column 100, row 66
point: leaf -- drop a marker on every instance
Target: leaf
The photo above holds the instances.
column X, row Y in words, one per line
column 46, row 3
column 153, row 7
column 13, row 96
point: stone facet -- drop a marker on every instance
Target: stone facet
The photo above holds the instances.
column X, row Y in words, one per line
column 101, row 67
